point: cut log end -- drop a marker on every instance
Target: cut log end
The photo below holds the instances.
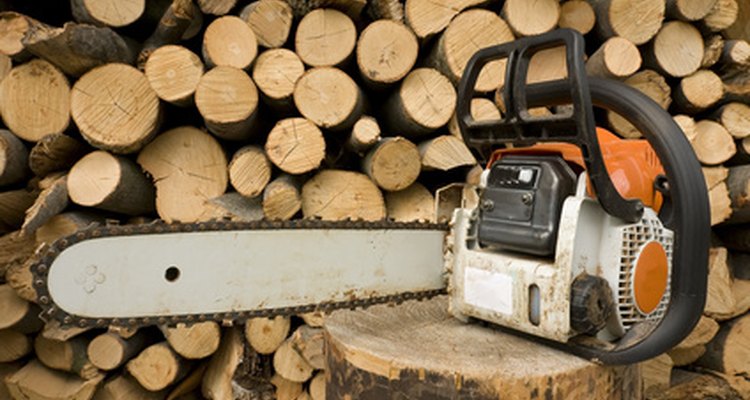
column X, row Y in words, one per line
column 295, row 145
column 281, row 198
column 270, row 20
column 408, row 115
column 174, row 72
column 386, row 52
column 325, row 37
column 339, row 195
column 157, row 367
column 699, row 91
column 713, row 144
column 249, row 171
column 276, row 72
column 414, row 203
column 227, row 99
column 329, row 98
column 114, row 13
column 578, row 15
column 393, row 164
column 617, row 58
column 531, row 18
column 229, row 41
column 689, row 10
column 619, row 18
column 677, row 50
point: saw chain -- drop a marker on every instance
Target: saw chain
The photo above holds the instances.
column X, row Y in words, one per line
column 47, row 254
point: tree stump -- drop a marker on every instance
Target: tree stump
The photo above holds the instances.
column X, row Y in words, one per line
column 418, row 351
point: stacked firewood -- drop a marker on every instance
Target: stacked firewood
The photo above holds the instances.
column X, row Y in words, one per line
column 122, row 112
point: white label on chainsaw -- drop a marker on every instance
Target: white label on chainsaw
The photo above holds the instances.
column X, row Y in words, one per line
column 489, row 290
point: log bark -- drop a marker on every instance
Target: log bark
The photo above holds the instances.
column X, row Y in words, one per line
column 713, row 144
column 13, row 159
column 195, row 341
column 295, row 145
column 55, row 152
column 190, row 386
column 329, row 98
column 115, row 108
column 13, row 204
column 114, row 13
column 188, row 167
column 227, row 99
column 233, row 206
column 415, row 203
column 265, row 335
column 17, row 313
column 386, row 51
column 729, row 350
column 531, row 18
column 217, row 381
column 290, row 364
column 325, row 38
column 712, row 49
column 174, row 72
column 723, row 15
column 352, row 8
column 338, row 195
column 229, row 42
column 651, row 84
column 123, row 387
column 35, row 381
column 419, row 351
column 445, row 153
column 386, row 9
column 179, row 18
column 15, row 249
column 365, row 133
column 52, row 200
column 578, row 15
column 68, row 356
column 393, row 164
column 281, row 198
column 13, row 345
column 617, row 18
column 689, row 10
column 428, row 18
column 406, row 111
column 656, row 374
column 249, row 171
column 35, row 100
column 697, row 386
column 6, row 370
column 109, row 351
column 737, row 183
column 270, row 20
column 735, row 55
column 216, row 7
column 740, row 28
column 736, row 85
column 699, row 91
column 617, row 58
column 112, row 183
column 677, row 50
column 157, row 367
column 735, row 117
column 693, row 346
column 276, row 71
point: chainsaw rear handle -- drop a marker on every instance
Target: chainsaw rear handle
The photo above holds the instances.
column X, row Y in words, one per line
column 685, row 210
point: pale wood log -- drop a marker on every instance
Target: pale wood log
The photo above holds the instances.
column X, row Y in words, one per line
column 35, row 100
column 65, row 224
column 14, row 345
column 174, row 72
column 229, row 42
column 290, row 364
column 391, row 349
column 190, row 385
column 444, row 153
column 217, row 381
column 232, row 206
column 308, row 343
column 386, row 9
column 578, row 15
column 687, row 356
column 466, row 34
column 698, row 91
column 352, row 8
column 6, row 370
column 281, row 198
column 653, row 85
column 216, row 7
column 712, row 50
column 17, row 313
column 677, row 50
column 697, row 386
column 687, row 124
column 656, row 373
column 617, row 58
column 693, row 346
column 53, row 330
column 735, row 117
column 713, row 144
column 338, row 195
column 729, row 350
column 424, row 102
column 736, row 85
column 52, row 200
column 15, row 249
column 415, row 203
column 481, row 109
column 714, row 176
column 249, row 171
column 735, row 54
column 114, row 13
column 314, row 319
column 317, row 387
column 188, row 167
column 276, row 72
column 430, row 17
column 77, row 48
column 111, row 183
column 115, row 108
column 365, row 133
column 13, row 159
column 741, row 293
column 689, row 10
column 393, row 163
column 386, row 52
column 270, row 20
column 37, row 382
column 637, row 21
column 720, row 301
column 531, row 18
column 295, row 145
column 740, row 29
column 265, row 335
column 69, row 356
column 13, row 28
column 286, row 389
column 157, row 367
column 195, row 341
column 720, row 203
column 177, row 21
column 329, row 98
column 227, row 99
column 123, row 387
column 55, row 152
column 13, row 205
column 123, row 331
column 738, row 183
column 109, row 350
column 324, row 38
column 723, row 14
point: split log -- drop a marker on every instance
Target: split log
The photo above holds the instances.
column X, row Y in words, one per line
column 430, row 17
column 314, row 319
column 265, row 335
column 338, row 195
column 175, row 24
column 723, row 14
column 445, row 153
column 276, row 72
column 386, row 52
column 729, row 350
column 232, row 206
column 735, row 117
column 15, row 249
column 229, row 42
column 393, row 163
column 17, row 313
column 317, row 387
column 469, row 32
column 677, row 50
column 188, row 167
column 295, row 145
column 703, row 332
column 195, row 341
column 6, row 370
column 188, row 387
column 52, row 200
column 286, row 389
column 157, row 367
column 652, row 85
column 65, row 224
column 329, row 98
column 55, row 152
column 69, row 356
column 414, row 203
column 217, row 381
column 699, row 91
column 481, row 109
column 281, row 198
column 114, row 13
column 13, row 205
column 386, row 9
column 13, row 28
column 111, row 183
column 712, row 50
column 740, row 28
column 720, row 301
column 115, row 108
column 689, row 10
column 325, row 38
column 13, row 159
column 77, row 48
column 714, row 176
column 270, row 20
column 174, row 72
column 696, row 386
column 407, row 110
column 249, row 171
column 216, row 7
column 720, row 203
column 687, row 124
column 35, row 100
column 123, row 387
column 365, row 133
column 227, row 99
column 618, row 18
column 110, row 351
column 308, row 343
column 656, row 373
column 390, row 350
column 617, row 58
column 713, row 144
column 290, row 365
column 735, row 54
column 531, row 18
column 578, row 15
column 35, row 381
column 13, row 345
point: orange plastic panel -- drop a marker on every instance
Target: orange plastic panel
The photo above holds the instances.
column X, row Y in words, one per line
column 650, row 281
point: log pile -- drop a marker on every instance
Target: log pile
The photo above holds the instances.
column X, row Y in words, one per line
column 194, row 110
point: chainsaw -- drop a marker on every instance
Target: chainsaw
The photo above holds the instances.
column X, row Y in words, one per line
column 585, row 241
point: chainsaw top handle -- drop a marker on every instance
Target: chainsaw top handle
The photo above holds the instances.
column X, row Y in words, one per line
column 685, row 209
